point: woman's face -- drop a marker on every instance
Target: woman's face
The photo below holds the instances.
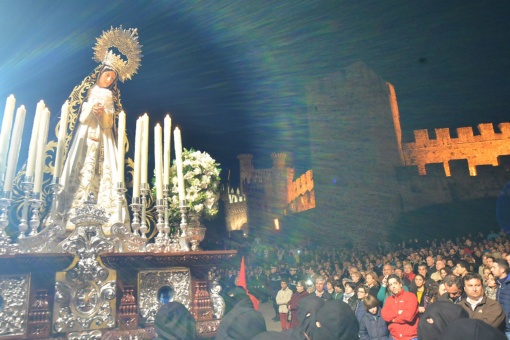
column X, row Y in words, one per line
column 106, row 78
column 330, row 286
column 361, row 293
column 491, row 282
column 419, row 281
column 373, row 310
column 369, row 279
column 442, row 272
column 486, row 272
column 300, row 288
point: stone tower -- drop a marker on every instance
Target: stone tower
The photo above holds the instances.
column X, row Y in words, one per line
column 355, row 150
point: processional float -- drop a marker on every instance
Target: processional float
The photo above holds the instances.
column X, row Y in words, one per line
column 76, row 245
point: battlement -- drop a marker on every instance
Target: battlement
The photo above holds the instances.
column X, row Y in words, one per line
column 481, row 149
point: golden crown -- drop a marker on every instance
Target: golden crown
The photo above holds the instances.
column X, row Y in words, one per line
column 126, row 42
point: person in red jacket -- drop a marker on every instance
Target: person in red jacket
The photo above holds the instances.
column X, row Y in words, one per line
column 401, row 311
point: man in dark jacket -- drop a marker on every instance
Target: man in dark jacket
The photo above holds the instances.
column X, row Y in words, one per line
column 500, row 270
column 479, row 306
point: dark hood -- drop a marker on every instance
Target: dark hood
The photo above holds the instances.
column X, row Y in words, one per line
column 242, row 322
column 472, row 329
column 442, row 314
column 337, row 321
column 174, row 322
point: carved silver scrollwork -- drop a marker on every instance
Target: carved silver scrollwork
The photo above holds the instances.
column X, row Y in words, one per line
column 14, row 293
column 85, row 295
column 217, row 301
column 149, row 284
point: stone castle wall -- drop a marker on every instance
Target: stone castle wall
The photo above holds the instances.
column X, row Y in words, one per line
column 481, row 149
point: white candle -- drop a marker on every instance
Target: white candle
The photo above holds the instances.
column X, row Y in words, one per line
column 137, row 162
column 5, row 133
column 145, row 147
column 178, row 157
column 158, row 160
column 166, row 154
column 61, row 140
column 42, row 137
column 32, row 149
column 14, row 148
column 121, row 149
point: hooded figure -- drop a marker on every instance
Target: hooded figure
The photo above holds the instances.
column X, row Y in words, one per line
column 174, row 322
column 242, row 322
column 335, row 320
column 437, row 317
column 472, row 329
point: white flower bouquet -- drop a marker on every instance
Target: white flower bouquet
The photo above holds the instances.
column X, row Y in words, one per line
column 201, row 181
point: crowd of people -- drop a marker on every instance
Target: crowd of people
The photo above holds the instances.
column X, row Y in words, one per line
column 439, row 289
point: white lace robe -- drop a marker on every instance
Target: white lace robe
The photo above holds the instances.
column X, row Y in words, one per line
column 91, row 163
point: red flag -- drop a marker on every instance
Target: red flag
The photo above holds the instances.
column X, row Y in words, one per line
column 241, row 281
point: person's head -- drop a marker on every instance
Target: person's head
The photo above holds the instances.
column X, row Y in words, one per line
column 292, row 271
column 371, row 304
column 408, row 268
column 319, row 284
column 336, row 320
column 440, row 289
column 394, row 284
column 423, row 269
column 174, row 321
column 473, row 286
column 453, row 286
column 387, row 269
column 337, row 285
column 300, row 286
column 361, row 292
column 430, row 261
column 491, row 281
column 273, row 269
column 283, row 284
column 486, row 272
column 106, row 78
column 349, row 287
column 419, row 280
column 355, row 276
column 500, row 268
column 461, row 269
column 399, row 272
column 437, row 317
column 371, row 279
column 329, row 285
column 445, row 271
column 440, row 264
column 489, row 260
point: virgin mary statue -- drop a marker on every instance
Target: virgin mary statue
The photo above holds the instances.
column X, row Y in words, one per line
column 91, row 163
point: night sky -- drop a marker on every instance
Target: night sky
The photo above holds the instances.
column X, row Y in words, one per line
column 232, row 74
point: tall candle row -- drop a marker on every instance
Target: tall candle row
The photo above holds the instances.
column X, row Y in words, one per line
column 162, row 143
column 37, row 147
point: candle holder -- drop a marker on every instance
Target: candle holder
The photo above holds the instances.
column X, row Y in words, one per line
column 166, row 196
column 35, row 221
column 121, row 195
column 136, row 207
column 160, row 238
column 183, row 238
column 28, row 186
column 56, row 189
column 5, row 240
column 144, row 191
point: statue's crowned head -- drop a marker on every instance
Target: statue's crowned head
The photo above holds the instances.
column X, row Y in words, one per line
column 124, row 41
